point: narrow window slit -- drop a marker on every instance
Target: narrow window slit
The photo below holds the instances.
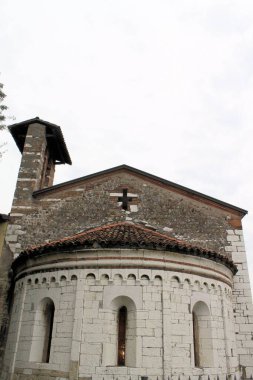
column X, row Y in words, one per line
column 49, row 315
column 122, row 321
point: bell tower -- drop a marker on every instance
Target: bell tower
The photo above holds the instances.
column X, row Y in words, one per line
column 42, row 146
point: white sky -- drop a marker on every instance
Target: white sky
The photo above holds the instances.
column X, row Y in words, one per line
column 165, row 86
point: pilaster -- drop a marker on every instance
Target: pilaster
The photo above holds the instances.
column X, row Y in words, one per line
column 77, row 331
column 242, row 303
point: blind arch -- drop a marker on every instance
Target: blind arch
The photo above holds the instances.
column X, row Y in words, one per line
column 42, row 332
column 202, row 335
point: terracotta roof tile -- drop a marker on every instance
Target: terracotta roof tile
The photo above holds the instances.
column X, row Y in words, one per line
column 125, row 235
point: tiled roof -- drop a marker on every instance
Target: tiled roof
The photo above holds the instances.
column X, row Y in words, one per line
column 124, row 235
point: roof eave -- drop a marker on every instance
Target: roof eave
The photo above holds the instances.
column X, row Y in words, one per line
column 56, row 130
column 27, row 255
column 102, row 236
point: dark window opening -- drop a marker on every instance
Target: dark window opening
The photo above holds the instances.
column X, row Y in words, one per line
column 49, row 321
column 196, row 340
column 122, row 321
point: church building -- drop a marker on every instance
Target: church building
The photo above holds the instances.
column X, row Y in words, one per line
column 118, row 275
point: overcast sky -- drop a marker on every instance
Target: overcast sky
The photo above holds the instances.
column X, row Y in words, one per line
column 164, row 86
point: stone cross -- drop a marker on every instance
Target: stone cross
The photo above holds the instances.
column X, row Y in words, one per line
column 125, row 199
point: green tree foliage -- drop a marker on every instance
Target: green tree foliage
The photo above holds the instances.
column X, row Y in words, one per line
column 3, row 108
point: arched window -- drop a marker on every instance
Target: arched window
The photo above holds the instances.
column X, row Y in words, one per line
column 121, row 349
column 122, row 322
column 202, row 335
column 42, row 333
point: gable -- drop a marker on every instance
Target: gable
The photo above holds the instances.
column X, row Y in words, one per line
column 71, row 207
column 147, row 177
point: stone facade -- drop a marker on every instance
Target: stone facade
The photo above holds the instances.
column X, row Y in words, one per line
column 160, row 299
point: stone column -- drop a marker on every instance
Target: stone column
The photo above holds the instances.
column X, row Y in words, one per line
column 166, row 312
column 77, row 331
column 15, row 327
column 229, row 335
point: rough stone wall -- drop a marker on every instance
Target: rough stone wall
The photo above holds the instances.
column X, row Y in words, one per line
column 67, row 211
column 29, row 179
column 85, row 324
column 33, row 159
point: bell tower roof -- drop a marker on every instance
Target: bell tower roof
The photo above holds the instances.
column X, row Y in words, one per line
column 55, row 140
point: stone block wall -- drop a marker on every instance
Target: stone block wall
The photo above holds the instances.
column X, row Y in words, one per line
column 84, row 341
column 242, row 302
